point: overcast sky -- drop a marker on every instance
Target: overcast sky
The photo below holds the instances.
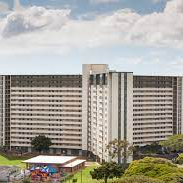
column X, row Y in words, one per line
column 58, row 36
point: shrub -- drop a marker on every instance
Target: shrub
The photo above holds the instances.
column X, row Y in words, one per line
column 75, row 180
column 27, row 180
column 173, row 178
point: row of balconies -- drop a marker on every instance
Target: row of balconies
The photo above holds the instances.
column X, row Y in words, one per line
column 62, row 123
column 53, row 146
column 45, row 132
column 17, row 107
column 151, row 116
column 72, row 92
column 152, row 130
column 45, row 117
column 44, row 112
column 46, row 102
column 66, row 127
column 68, row 136
column 46, row 98
column 152, row 89
column 152, row 125
column 61, row 141
column 149, row 136
column 18, row 89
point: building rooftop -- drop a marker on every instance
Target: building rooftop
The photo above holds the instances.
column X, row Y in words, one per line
column 74, row 163
column 50, row 159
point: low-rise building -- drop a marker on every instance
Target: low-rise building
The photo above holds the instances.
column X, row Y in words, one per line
column 62, row 164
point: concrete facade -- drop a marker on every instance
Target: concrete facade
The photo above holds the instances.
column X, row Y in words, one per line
column 46, row 105
column 157, row 108
column 111, row 116
column 86, row 115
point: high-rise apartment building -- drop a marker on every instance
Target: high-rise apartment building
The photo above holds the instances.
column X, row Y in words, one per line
column 83, row 113
column 110, row 110
column 139, row 109
column 157, row 108
column 42, row 105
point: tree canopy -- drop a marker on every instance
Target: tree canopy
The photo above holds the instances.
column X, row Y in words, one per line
column 173, row 143
column 153, row 148
column 107, row 170
column 41, row 143
column 159, row 168
column 120, row 149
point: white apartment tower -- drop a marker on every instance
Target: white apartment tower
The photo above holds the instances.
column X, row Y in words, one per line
column 110, row 109
column 86, row 128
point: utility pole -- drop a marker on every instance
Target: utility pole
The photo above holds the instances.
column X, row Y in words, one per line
column 81, row 177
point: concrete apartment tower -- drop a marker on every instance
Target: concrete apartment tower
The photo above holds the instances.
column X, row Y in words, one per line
column 49, row 105
column 157, row 108
column 86, row 71
column 109, row 109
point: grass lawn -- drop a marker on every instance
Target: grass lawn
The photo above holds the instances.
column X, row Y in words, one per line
column 5, row 161
column 86, row 175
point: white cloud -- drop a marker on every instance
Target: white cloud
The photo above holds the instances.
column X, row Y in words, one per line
column 130, row 61
column 41, row 28
column 33, row 19
column 103, row 1
column 160, row 28
column 3, row 7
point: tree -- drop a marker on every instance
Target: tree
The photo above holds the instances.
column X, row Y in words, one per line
column 153, row 148
column 41, row 143
column 120, row 149
column 173, row 143
column 107, row 170
column 158, row 168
